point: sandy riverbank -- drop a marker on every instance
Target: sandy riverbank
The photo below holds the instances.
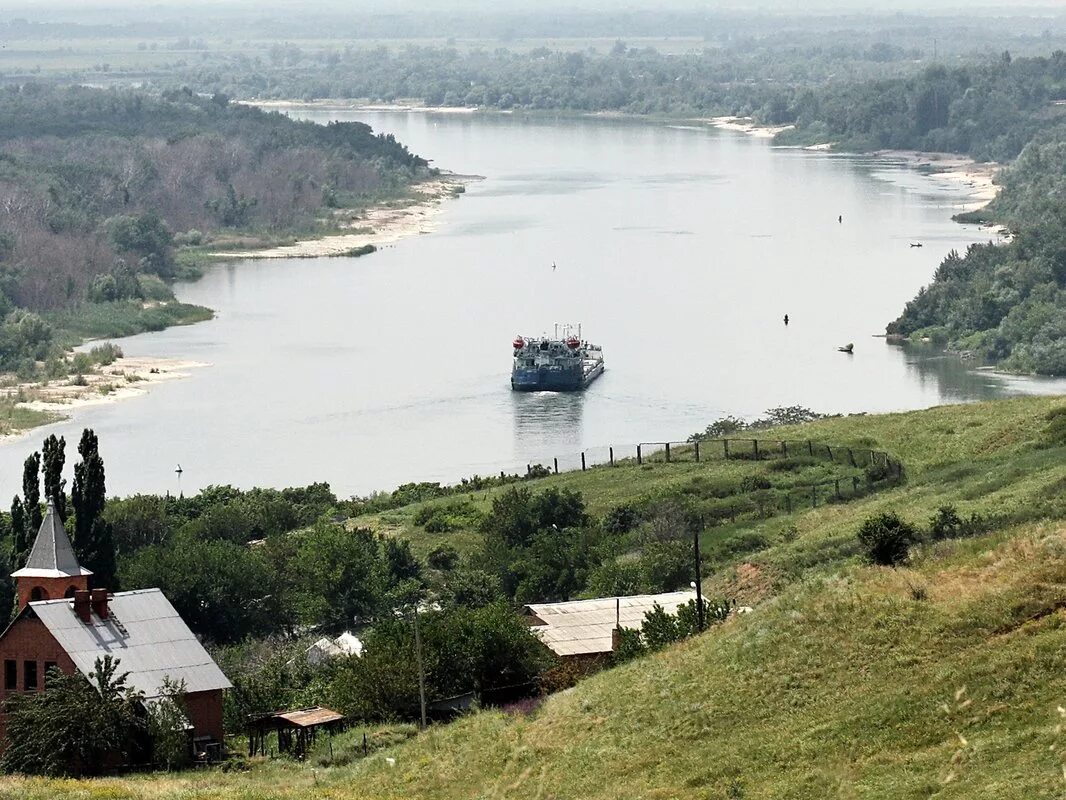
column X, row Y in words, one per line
column 122, row 379
column 375, row 227
column 978, row 178
column 356, row 105
column 747, row 126
column 949, row 169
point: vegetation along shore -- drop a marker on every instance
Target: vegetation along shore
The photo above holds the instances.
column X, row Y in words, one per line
column 112, row 195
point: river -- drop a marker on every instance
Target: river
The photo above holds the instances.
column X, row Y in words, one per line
column 679, row 249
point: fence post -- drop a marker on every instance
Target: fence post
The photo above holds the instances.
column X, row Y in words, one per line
column 582, row 460
column 829, row 450
column 697, row 451
column 851, row 458
column 529, row 468
column 612, row 456
column 556, row 461
column 855, row 484
column 725, row 443
column 639, row 459
column 755, row 444
column 784, row 448
column 667, row 452
column 788, row 503
column 836, row 485
column 810, row 448
column 814, row 496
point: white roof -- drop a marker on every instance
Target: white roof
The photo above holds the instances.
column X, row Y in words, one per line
column 143, row 633
column 583, row 627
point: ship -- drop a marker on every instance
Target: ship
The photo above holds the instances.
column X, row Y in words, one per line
column 564, row 363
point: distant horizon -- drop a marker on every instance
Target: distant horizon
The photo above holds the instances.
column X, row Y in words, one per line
column 130, row 10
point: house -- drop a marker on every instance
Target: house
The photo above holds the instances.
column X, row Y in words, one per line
column 61, row 623
column 347, row 644
column 584, row 629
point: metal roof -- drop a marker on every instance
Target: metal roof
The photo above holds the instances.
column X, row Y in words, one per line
column 583, row 627
column 143, row 632
column 310, row 717
column 52, row 555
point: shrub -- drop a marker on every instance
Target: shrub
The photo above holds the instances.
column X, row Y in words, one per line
column 886, row 539
column 1056, row 429
column 621, row 519
column 946, row 524
column 445, row 557
column 754, row 483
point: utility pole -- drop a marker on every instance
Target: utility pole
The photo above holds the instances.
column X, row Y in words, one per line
column 699, row 579
column 421, row 669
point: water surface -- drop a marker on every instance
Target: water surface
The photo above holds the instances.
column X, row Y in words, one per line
column 678, row 248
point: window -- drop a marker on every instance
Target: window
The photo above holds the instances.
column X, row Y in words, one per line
column 48, row 665
column 37, row 593
column 11, row 674
column 29, row 675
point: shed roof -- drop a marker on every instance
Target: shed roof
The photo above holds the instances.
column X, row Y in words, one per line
column 583, row 627
column 143, row 633
column 52, row 555
column 309, row 717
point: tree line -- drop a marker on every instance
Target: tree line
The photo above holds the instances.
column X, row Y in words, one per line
column 99, row 186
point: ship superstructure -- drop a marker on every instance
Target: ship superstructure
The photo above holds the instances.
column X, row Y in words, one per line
column 562, row 363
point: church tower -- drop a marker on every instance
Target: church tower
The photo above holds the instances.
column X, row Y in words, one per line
column 52, row 570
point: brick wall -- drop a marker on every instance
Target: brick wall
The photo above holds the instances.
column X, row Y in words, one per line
column 205, row 713
column 28, row 640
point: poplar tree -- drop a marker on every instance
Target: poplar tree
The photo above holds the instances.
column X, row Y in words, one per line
column 54, row 457
column 20, row 542
column 93, row 543
column 31, row 494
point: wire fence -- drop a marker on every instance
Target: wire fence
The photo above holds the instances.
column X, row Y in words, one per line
column 722, row 450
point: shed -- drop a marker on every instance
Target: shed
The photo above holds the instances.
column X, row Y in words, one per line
column 296, row 730
column 578, row 628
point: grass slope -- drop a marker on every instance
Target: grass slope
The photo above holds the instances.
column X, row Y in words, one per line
column 943, row 679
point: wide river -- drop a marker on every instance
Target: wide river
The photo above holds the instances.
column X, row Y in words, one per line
column 678, row 248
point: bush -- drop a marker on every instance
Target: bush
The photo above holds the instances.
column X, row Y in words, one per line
column 621, row 519
column 1056, row 429
column 946, row 524
column 445, row 557
column 754, row 483
column 886, row 539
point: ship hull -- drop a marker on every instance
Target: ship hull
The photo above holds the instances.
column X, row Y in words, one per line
column 543, row 379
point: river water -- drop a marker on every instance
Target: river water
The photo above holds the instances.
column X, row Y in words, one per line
column 678, row 248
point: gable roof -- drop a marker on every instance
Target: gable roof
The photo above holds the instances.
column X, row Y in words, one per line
column 52, row 555
column 583, row 627
column 143, row 633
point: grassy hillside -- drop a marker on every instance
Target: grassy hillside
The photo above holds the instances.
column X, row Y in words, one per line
column 943, row 678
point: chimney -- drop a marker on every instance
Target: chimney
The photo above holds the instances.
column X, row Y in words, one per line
column 99, row 602
column 82, row 605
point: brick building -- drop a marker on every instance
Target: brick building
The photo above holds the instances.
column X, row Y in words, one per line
column 61, row 623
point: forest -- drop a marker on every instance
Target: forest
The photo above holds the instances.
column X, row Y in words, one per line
column 99, row 188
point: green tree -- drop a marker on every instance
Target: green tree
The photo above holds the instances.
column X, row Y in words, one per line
column 74, row 725
column 166, row 726
column 31, row 494
column 53, row 458
column 221, row 589
column 92, row 535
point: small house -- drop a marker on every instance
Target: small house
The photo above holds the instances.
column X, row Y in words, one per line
column 62, row 623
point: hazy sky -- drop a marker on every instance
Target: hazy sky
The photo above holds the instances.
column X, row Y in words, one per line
column 37, row 8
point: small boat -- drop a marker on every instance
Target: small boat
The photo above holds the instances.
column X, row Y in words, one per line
column 916, row 244
column 849, row 348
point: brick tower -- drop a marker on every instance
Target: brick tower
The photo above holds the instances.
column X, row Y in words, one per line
column 52, row 570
